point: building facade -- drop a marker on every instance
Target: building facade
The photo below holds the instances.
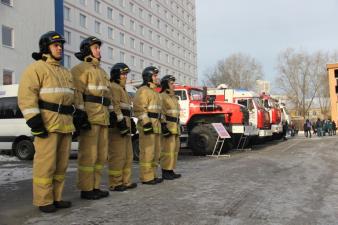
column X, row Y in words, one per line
column 21, row 26
column 138, row 32
column 333, row 86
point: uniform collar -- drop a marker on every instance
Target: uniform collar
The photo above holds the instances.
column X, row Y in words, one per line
column 50, row 60
column 92, row 60
column 152, row 85
column 170, row 92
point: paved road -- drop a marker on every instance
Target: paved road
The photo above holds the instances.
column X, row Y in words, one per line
column 292, row 183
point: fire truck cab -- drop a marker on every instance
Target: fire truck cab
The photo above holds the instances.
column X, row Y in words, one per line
column 271, row 105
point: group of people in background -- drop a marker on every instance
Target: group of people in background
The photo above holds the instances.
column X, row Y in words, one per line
column 319, row 128
column 59, row 104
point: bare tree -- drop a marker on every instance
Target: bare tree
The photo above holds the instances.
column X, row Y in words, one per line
column 237, row 71
column 302, row 78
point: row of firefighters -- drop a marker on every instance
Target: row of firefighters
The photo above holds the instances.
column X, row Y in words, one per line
column 57, row 103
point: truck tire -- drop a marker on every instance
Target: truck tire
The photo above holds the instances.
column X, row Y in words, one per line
column 136, row 149
column 24, row 150
column 202, row 139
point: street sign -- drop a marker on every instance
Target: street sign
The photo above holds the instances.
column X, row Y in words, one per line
column 221, row 131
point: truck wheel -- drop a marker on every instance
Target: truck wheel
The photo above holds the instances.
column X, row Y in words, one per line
column 202, row 139
column 136, row 149
column 25, row 150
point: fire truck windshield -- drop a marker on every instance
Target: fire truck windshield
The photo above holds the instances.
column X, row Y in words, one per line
column 196, row 95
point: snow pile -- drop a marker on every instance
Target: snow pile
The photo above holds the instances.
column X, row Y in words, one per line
column 10, row 174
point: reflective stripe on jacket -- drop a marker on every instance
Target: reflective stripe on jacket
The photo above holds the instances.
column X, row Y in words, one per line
column 171, row 107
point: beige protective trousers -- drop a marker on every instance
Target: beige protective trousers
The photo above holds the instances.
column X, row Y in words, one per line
column 150, row 150
column 49, row 167
column 169, row 153
column 120, row 159
column 92, row 155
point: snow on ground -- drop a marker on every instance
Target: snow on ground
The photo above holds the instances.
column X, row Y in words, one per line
column 6, row 158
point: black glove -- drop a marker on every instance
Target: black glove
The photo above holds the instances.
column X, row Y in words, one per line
column 37, row 127
column 122, row 125
column 165, row 130
column 148, row 128
column 133, row 126
column 80, row 121
column 112, row 119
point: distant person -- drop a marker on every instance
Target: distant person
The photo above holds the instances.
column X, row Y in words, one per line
column 319, row 127
column 307, row 128
column 334, row 127
column 285, row 128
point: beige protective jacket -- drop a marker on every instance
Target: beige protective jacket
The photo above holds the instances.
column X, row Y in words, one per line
column 171, row 107
column 147, row 100
column 48, row 81
column 120, row 101
column 91, row 79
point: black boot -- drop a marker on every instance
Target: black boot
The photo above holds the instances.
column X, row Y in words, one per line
column 101, row 193
column 166, row 175
column 90, row 195
column 47, row 208
column 131, row 186
column 150, row 182
column 62, row 204
column 118, row 188
column 175, row 175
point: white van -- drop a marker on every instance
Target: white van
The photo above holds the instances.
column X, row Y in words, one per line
column 15, row 134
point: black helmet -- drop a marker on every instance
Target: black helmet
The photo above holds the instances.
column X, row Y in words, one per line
column 147, row 74
column 85, row 47
column 117, row 70
column 46, row 40
column 165, row 82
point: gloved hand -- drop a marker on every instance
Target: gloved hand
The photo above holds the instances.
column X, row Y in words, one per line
column 148, row 128
column 37, row 127
column 112, row 119
column 165, row 130
column 133, row 126
column 80, row 121
column 122, row 125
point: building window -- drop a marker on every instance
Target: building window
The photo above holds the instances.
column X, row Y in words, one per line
column 110, row 53
column 159, row 54
column 158, row 24
column 140, row 12
column 97, row 6
column 158, row 8
column 7, row 2
column 132, row 60
column 131, row 7
column 67, row 62
column 97, row 27
column 7, row 77
column 150, row 18
column 150, row 34
column 122, row 38
column 141, row 30
column 151, row 51
column 121, row 18
column 132, row 43
column 83, row 20
column 141, row 47
column 67, row 37
column 132, row 25
column 110, row 33
column 122, row 57
column 167, row 58
column 7, row 36
column 66, row 13
column 141, row 63
column 109, row 13
column 83, row 2
column 122, row 3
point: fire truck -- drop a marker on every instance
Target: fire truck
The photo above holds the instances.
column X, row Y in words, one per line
column 199, row 110
column 258, row 116
column 271, row 105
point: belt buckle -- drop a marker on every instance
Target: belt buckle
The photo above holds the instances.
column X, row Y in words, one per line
column 102, row 100
column 159, row 116
column 59, row 107
column 177, row 120
column 74, row 109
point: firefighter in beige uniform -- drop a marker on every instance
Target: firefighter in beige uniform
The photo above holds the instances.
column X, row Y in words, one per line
column 147, row 108
column 46, row 98
column 92, row 82
column 171, row 143
column 120, row 153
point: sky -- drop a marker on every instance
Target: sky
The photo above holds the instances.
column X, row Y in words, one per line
column 262, row 29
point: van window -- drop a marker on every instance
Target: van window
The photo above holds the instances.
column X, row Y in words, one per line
column 182, row 94
column 9, row 108
column 243, row 102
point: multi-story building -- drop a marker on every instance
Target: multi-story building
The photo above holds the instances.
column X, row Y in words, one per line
column 138, row 32
column 21, row 26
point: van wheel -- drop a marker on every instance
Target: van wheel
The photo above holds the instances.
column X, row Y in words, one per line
column 136, row 149
column 25, row 150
